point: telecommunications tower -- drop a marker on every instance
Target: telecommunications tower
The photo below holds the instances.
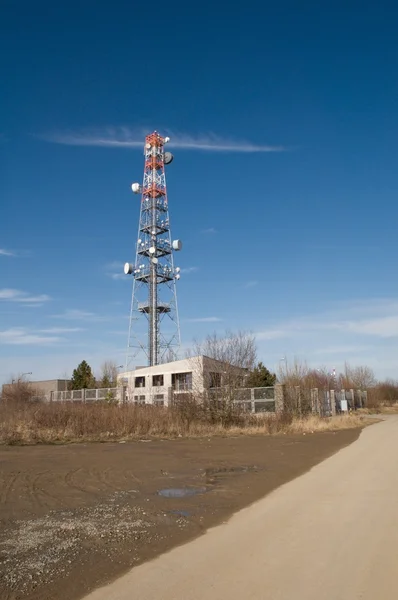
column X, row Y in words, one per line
column 154, row 326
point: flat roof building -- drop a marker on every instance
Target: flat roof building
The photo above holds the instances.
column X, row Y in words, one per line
column 155, row 385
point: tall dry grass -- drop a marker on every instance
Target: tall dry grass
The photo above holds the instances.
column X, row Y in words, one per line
column 35, row 423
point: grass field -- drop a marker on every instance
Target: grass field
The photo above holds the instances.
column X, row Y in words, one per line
column 35, row 423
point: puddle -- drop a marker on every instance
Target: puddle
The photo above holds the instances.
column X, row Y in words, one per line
column 181, row 513
column 181, row 492
column 226, row 470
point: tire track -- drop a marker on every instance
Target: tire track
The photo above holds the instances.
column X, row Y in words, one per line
column 38, row 490
column 7, row 488
column 71, row 483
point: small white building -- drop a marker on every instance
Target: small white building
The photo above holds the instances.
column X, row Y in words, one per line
column 157, row 384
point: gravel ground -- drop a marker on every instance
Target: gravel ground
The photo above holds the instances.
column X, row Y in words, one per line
column 73, row 518
column 38, row 551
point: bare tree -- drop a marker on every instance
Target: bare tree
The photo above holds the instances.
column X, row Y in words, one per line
column 19, row 391
column 236, row 349
column 169, row 356
column 360, row 378
column 293, row 374
column 108, row 374
column 228, row 358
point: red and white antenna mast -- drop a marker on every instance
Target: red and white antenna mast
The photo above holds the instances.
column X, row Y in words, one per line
column 154, row 298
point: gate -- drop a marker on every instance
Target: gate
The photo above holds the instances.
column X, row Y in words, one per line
column 325, row 403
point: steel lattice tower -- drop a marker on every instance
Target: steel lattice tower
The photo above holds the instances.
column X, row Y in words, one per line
column 154, row 297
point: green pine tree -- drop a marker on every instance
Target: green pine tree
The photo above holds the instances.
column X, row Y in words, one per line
column 261, row 377
column 82, row 377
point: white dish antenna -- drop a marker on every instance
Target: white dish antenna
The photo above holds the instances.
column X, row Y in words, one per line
column 177, row 245
column 128, row 269
column 136, row 188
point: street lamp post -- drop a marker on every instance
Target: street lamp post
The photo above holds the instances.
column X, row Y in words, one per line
column 284, row 359
column 20, row 377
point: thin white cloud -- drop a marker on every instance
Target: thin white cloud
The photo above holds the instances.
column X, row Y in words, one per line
column 188, row 270
column 384, row 327
column 21, row 337
column 342, row 350
column 127, row 137
column 58, row 330
column 272, row 334
column 377, row 318
column 78, row 315
column 115, row 270
column 204, row 320
column 4, row 252
column 209, row 230
column 12, row 295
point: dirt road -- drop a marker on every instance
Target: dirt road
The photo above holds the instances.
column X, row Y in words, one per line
column 331, row 534
column 75, row 517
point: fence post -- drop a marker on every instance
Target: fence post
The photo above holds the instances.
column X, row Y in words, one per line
column 252, row 400
column 51, row 395
column 333, row 402
column 315, row 401
column 344, row 402
column 353, row 399
column 83, row 395
column 279, row 396
column 298, row 399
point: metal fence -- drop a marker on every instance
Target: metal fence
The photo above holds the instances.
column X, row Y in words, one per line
column 255, row 400
column 295, row 400
column 92, row 395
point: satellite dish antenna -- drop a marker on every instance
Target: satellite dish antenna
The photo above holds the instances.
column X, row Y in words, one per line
column 168, row 158
column 136, row 188
column 128, row 269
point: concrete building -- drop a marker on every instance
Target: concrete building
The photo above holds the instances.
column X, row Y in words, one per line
column 40, row 388
column 157, row 384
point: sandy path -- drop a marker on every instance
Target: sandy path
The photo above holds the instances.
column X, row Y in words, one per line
column 331, row 534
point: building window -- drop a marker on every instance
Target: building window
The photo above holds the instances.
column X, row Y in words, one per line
column 139, row 399
column 159, row 397
column 157, row 380
column 139, row 382
column 181, row 381
column 215, row 380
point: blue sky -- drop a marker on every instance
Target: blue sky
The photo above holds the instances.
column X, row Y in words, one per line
column 283, row 120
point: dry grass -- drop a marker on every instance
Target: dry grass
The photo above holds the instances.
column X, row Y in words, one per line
column 35, row 423
column 379, row 410
column 314, row 424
